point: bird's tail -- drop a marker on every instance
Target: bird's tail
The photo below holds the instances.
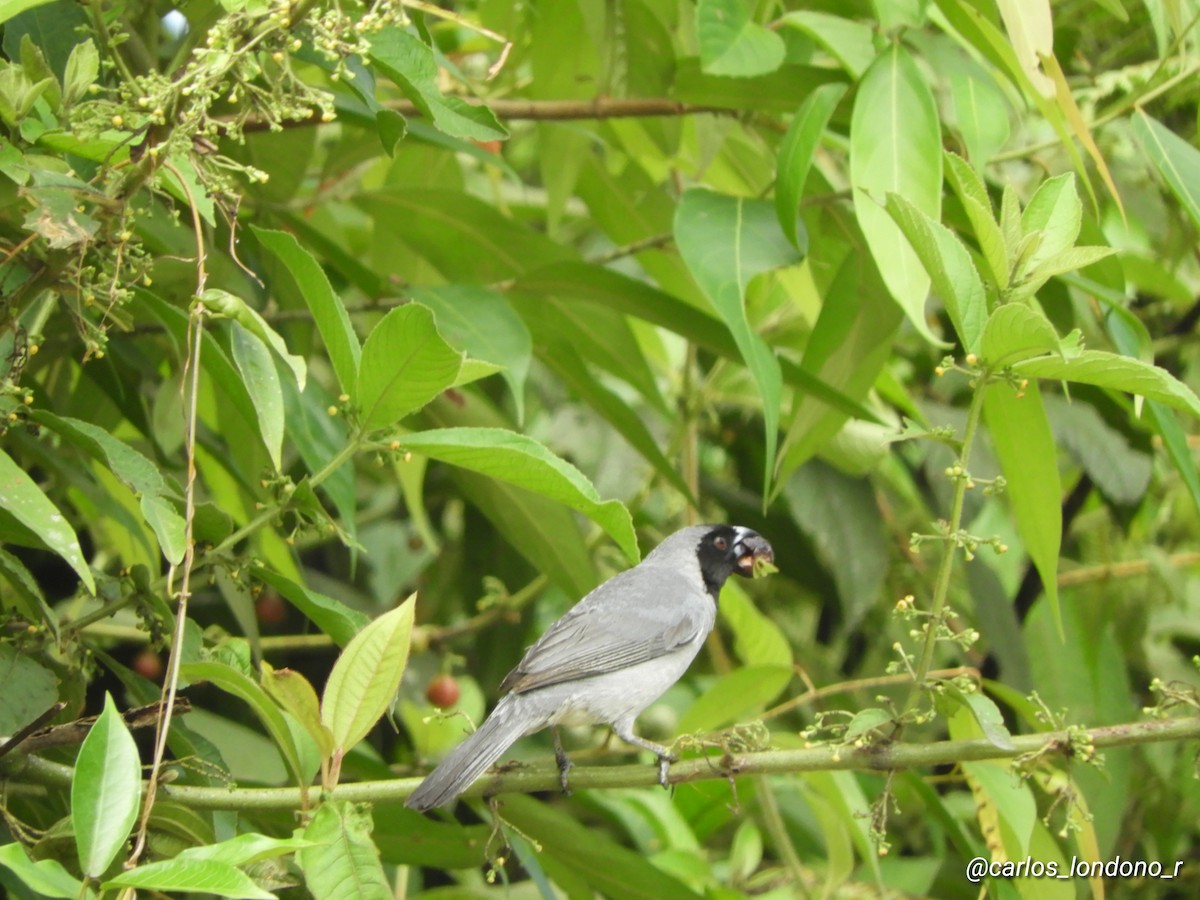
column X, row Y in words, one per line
column 508, row 721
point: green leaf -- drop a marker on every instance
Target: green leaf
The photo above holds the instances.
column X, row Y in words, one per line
column 1177, row 161
column 483, row 323
column 1054, row 212
column 410, row 64
column 405, row 837
column 293, row 692
column 206, row 876
column 841, row 516
column 1015, row 332
column 44, row 877
column 597, row 285
column 24, row 597
column 796, row 154
column 464, row 238
column 134, row 470
column 735, row 697
column 867, row 720
column 106, row 791
column 1025, row 447
column 727, row 241
column 948, row 265
column 1111, row 370
column 10, row 8
column 732, row 44
column 254, row 362
column 974, row 197
column 600, row 862
column 405, row 364
column 333, row 617
column 367, row 675
column 329, row 313
column 519, row 460
column 33, row 509
column 849, row 42
column 895, row 146
column 848, row 348
column 231, row 681
column 756, row 639
column 343, row 860
column 244, row 849
column 987, row 715
column 30, row 689
column 226, row 304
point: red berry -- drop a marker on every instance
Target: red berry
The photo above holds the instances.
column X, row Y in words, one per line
column 148, row 664
column 270, row 608
column 442, row 691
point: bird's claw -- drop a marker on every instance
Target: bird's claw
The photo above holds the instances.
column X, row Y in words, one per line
column 664, row 764
column 564, row 765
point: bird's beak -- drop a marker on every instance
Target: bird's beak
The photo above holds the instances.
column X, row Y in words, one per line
column 753, row 554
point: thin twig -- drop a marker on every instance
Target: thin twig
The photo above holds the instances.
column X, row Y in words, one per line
column 190, row 387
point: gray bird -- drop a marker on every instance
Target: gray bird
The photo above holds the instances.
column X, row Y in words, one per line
column 610, row 656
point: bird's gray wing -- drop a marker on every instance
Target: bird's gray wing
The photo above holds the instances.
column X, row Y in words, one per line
column 638, row 615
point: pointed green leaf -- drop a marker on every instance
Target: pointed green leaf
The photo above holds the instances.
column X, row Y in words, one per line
column 731, row 44
column 134, row 470
column 519, row 460
column 725, row 242
column 895, row 146
column 24, row 596
column 33, row 509
column 231, row 681
column 1121, row 373
column 244, row 849
column 203, row 876
column 410, row 64
column 848, row 348
column 333, row 617
column 602, row 864
column 1015, row 332
column 328, row 311
column 974, row 197
column 736, row 697
column 257, row 368
column 293, row 692
column 948, row 265
column 367, row 675
column 106, row 791
column 405, row 364
column 482, row 322
column 342, row 860
column 225, row 304
column 44, row 877
column 987, row 715
column 848, row 41
column 797, row 151
column 1025, row 447
column 1055, row 211
column 1177, row 161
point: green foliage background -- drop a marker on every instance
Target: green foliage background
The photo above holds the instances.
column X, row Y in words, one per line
column 305, row 307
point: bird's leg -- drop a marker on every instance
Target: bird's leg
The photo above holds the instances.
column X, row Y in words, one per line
column 564, row 762
column 665, row 757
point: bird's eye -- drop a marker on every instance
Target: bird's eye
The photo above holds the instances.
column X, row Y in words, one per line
column 720, row 543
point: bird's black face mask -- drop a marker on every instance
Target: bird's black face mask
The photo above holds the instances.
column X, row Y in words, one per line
column 728, row 550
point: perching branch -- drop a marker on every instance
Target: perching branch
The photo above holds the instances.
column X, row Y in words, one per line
column 546, row 110
column 887, row 757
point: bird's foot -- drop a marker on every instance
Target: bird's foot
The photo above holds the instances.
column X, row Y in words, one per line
column 564, row 764
column 664, row 764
